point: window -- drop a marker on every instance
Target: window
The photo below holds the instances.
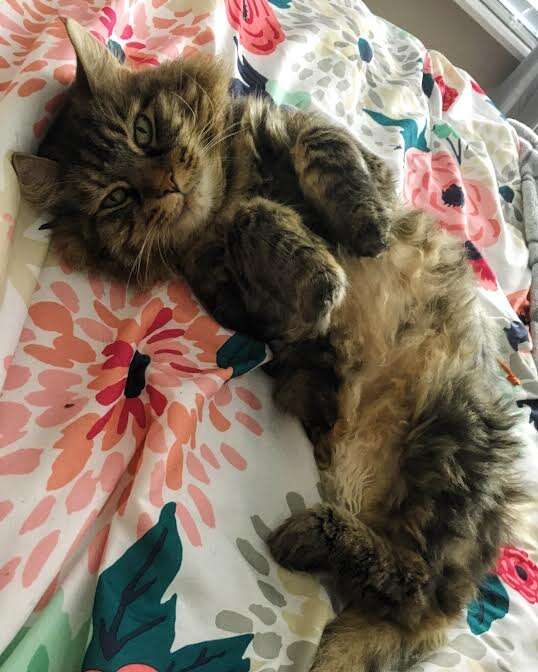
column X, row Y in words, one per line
column 514, row 23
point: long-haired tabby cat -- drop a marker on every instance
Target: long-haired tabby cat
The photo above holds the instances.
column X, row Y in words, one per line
column 286, row 228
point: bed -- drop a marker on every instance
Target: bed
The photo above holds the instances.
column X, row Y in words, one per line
column 132, row 525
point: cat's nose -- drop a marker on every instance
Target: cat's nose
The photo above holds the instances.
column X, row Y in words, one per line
column 169, row 184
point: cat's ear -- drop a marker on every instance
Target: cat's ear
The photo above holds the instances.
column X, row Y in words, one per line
column 94, row 61
column 38, row 179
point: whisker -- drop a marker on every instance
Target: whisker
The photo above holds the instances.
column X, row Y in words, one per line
column 175, row 93
column 204, row 90
column 220, row 134
column 150, row 250
column 213, row 144
column 138, row 260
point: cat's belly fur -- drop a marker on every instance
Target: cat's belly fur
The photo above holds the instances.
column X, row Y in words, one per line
column 407, row 328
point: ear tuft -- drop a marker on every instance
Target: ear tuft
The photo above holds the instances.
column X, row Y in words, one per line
column 38, row 178
column 94, row 61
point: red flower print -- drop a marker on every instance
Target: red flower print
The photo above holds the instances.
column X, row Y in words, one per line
column 518, row 571
column 466, row 208
column 259, row 29
column 124, row 380
column 476, row 87
column 484, row 274
column 448, row 93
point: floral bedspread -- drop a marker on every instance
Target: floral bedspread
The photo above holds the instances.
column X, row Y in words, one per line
column 141, row 459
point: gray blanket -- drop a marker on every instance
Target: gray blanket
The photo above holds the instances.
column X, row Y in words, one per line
column 528, row 163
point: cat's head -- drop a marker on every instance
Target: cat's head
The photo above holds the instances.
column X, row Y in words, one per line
column 133, row 165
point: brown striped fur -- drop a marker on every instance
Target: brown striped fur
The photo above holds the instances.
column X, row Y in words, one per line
column 286, row 228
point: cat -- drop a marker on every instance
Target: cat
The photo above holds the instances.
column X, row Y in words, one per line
column 287, row 229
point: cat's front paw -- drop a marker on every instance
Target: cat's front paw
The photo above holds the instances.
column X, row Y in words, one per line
column 369, row 231
column 299, row 543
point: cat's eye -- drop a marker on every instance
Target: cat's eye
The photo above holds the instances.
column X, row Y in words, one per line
column 143, row 131
column 116, row 198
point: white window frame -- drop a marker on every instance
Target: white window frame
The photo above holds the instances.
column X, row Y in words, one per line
column 499, row 22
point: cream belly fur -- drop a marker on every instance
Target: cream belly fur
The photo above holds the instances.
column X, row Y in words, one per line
column 402, row 333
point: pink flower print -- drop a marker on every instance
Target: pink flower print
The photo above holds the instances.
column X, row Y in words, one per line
column 132, row 667
column 118, row 35
column 259, row 29
column 26, row 30
column 109, row 369
column 465, row 208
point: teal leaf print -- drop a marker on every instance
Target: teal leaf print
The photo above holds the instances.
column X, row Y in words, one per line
column 116, row 50
column 491, row 604
column 507, row 193
column 427, row 84
column 131, row 623
column 408, row 130
column 241, row 353
column 365, row 50
column 299, row 99
column 281, row 4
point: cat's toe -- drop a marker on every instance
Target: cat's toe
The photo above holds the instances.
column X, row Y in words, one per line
column 327, row 293
column 370, row 234
column 299, row 542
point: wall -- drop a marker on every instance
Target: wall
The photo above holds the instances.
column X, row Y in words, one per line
column 442, row 25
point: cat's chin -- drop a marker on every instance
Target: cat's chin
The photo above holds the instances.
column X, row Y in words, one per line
column 200, row 203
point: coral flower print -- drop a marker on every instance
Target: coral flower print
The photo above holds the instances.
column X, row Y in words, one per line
column 518, row 571
column 61, row 403
column 259, row 30
column 145, row 370
column 466, row 208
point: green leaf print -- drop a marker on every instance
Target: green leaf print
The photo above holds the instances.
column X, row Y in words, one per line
column 444, row 131
column 40, row 661
column 49, row 644
column 300, row 99
column 131, row 623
